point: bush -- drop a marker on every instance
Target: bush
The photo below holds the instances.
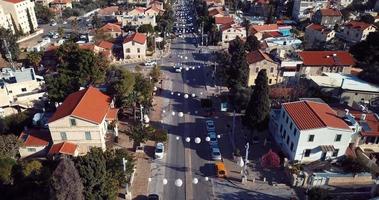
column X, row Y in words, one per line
column 6, row 166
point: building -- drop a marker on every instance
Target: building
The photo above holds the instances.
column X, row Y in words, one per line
column 223, row 21
column 216, row 12
column 113, row 30
column 18, row 14
column 60, row 5
column 84, row 118
column 260, row 8
column 355, row 31
column 303, row 9
column 376, row 7
column 35, row 143
column 135, row 45
column 343, row 3
column 328, row 17
column 309, row 131
column 63, row 149
column 346, row 88
column 258, row 60
column 138, row 2
column 19, row 90
column 317, row 62
column 138, row 16
column 260, row 31
column 230, row 32
column 215, row 3
column 316, row 34
column 108, row 11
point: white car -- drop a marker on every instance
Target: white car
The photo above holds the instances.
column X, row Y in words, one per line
column 216, row 154
column 55, row 36
column 53, row 24
column 178, row 69
column 64, row 22
column 159, row 150
column 150, row 63
column 210, row 125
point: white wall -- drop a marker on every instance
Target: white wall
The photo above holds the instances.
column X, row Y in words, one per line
column 24, row 152
column 134, row 50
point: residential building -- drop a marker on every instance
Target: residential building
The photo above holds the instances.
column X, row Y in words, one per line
column 215, row 3
column 309, row 131
column 317, row 62
column 259, row 60
column 328, row 17
column 108, row 11
column 5, row 19
column 260, row 8
column 20, row 89
column 316, row 34
column 156, row 3
column 216, row 12
column 260, row 31
column 134, row 46
column 84, row 118
column 60, row 5
column 138, row 16
column 288, row 43
column 355, row 31
column 113, row 30
column 303, row 9
column 231, row 32
column 35, row 143
column 138, row 2
column 343, row 3
column 63, row 149
column 345, row 88
column 19, row 15
column 223, row 21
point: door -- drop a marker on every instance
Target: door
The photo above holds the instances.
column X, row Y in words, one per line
column 323, row 156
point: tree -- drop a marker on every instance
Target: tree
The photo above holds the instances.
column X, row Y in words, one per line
column 143, row 91
column 65, row 182
column 368, row 19
column 138, row 135
column 367, row 54
column 6, row 166
column 115, row 167
column 238, row 72
column 93, row 173
column 270, row 160
column 34, row 58
column 60, row 32
column 31, row 26
column 155, row 73
column 9, row 145
column 96, row 21
column 252, row 43
column 146, row 28
column 122, row 87
column 32, row 168
column 11, row 42
column 258, row 107
column 43, row 13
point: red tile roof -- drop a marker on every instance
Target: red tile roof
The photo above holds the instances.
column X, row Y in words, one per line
column 330, row 12
column 256, row 56
column 313, row 115
column 318, row 27
column 63, row 148
column 109, row 27
column 136, row 37
column 370, row 124
column 88, row 104
column 271, row 34
column 357, row 25
column 105, row 44
column 112, row 114
column 326, row 58
column 108, row 10
column 224, row 20
column 14, row 1
column 262, row 1
column 87, row 46
column 263, row 28
column 214, row 11
column 61, row 1
column 35, row 138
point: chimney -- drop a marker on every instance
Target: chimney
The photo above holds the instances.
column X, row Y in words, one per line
column 363, row 117
column 346, row 112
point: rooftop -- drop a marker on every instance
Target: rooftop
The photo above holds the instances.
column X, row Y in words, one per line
column 108, row 10
column 350, row 82
column 105, row 44
column 14, row 1
column 16, row 76
column 326, row 58
column 88, row 104
column 63, row 148
column 312, row 115
column 135, row 37
column 256, row 56
column 224, row 20
column 109, row 27
column 318, row 27
column 357, row 25
column 264, row 28
column 35, row 138
column 330, row 12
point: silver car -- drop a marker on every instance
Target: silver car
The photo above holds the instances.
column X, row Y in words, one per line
column 216, row 154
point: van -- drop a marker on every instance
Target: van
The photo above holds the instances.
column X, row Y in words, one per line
column 220, row 169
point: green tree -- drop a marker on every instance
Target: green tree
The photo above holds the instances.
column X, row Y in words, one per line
column 34, row 58
column 60, row 32
column 252, row 43
column 122, row 87
column 9, row 145
column 32, row 168
column 258, row 107
column 11, row 41
column 43, row 13
column 115, row 166
column 31, row 26
column 143, row 91
column 238, row 72
column 6, row 166
column 155, row 73
column 96, row 21
column 65, row 182
column 138, row 135
column 146, row 28
column 93, row 172
column 59, row 86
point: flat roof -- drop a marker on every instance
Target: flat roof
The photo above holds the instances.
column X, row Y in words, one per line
column 351, row 82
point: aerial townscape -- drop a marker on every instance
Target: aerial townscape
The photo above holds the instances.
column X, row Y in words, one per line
column 189, row 99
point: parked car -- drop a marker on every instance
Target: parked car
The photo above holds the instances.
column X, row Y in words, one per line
column 178, row 69
column 210, row 125
column 53, row 24
column 150, row 63
column 213, row 138
column 153, row 197
column 159, row 150
column 216, row 154
column 64, row 22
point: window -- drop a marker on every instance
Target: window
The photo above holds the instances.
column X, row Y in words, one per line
column 133, row 43
column 311, row 138
column 283, row 113
column 288, row 140
column 285, row 134
column 10, row 91
column 138, row 50
column 286, row 119
column 338, row 138
column 335, row 153
column 31, row 149
column 127, row 50
column 257, row 70
column 270, row 81
column 307, row 153
column 291, row 126
column 271, row 70
column 291, row 146
column 63, row 136
column 23, row 89
column 73, row 122
column 88, row 135
column 294, row 132
column 281, row 127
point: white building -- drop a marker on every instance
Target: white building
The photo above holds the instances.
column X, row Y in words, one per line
column 19, row 89
column 308, row 131
column 303, row 9
column 231, row 32
column 356, row 31
column 134, row 46
column 139, row 16
column 16, row 11
column 317, row 34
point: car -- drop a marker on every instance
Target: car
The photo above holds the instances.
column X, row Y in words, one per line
column 55, row 36
column 216, row 154
column 159, row 150
column 178, row 69
column 150, row 63
column 210, row 125
column 64, row 22
column 213, row 138
column 53, row 24
column 153, row 197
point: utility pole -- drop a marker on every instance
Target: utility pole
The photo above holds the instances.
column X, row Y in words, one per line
column 9, row 54
column 244, row 177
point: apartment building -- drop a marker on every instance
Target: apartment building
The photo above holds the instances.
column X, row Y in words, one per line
column 328, row 17
column 138, row 16
column 83, row 119
column 135, row 45
column 230, row 32
column 18, row 14
column 355, row 31
column 317, row 34
column 303, row 9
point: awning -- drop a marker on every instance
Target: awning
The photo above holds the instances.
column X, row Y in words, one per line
column 327, row 148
